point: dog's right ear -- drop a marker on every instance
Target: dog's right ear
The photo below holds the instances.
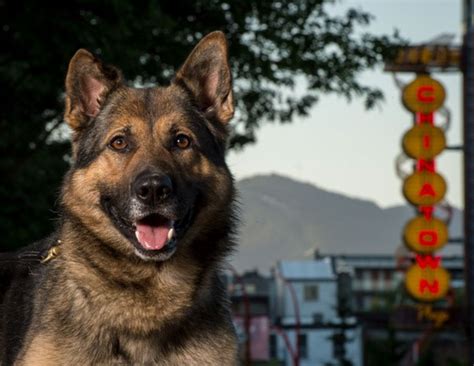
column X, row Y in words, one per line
column 88, row 83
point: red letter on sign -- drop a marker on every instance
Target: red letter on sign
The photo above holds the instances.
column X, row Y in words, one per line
column 432, row 287
column 425, row 94
column 425, row 165
column 424, row 118
column 427, row 190
column 428, row 260
column 427, row 211
column 428, row 237
column 426, row 141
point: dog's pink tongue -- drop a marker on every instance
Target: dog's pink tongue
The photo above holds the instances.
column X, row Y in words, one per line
column 152, row 237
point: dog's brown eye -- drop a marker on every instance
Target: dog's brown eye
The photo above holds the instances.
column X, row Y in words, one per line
column 118, row 143
column 182, row 141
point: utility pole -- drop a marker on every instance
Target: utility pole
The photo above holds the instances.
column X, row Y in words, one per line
column 468, row 111
column 344, row 311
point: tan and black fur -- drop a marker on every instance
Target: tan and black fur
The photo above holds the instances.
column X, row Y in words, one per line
column 105, row 300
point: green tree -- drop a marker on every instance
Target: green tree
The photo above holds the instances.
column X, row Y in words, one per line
column 387, row 351
column 272, row 44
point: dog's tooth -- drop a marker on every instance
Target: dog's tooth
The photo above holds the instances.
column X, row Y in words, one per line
column 171, row 233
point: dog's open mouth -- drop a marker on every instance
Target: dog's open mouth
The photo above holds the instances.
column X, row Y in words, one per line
column 154, row 236
column 154, row 231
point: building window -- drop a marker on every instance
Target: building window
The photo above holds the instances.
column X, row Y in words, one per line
column 376, row 280
column 303, row 343
column 388, row 278
column 339, row 341
column 273, row 346
column 375, row 275
column 317, row 318
column 311, row 292
column 250, row 288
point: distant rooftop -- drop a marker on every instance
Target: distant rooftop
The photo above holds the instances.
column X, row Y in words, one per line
column 307, row 269
column 377, row 261
column 255, row 283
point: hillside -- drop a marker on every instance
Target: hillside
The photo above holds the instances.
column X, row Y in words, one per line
column 284, row 218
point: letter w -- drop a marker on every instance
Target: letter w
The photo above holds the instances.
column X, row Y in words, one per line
column 428, row 261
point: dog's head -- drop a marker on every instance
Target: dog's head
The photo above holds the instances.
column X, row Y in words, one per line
column 148, row 174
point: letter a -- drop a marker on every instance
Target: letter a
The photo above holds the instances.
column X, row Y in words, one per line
column 427, row 190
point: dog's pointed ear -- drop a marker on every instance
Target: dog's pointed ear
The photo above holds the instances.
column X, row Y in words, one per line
column 88, row 83
column 206, row 75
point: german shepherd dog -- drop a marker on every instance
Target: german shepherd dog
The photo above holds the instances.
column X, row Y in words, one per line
column 130, row 277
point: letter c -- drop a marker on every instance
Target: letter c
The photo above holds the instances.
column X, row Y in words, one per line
column 425, row 94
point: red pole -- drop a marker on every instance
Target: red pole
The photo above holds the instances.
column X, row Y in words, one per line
column 294, row 298
column 246, row 315
column 282, row 334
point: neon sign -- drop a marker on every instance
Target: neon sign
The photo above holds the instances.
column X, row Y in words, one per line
column 438, row 317
column 424, row 141
column 424, row 188
column 425, row 235
column 423, row 95
column 424, row 57
column 426, row 280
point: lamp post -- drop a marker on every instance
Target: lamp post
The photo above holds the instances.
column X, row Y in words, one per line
column 468, row 112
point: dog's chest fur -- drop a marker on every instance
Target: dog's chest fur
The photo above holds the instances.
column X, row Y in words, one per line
column 88, row 315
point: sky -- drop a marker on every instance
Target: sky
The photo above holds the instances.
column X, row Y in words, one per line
column 344, row 148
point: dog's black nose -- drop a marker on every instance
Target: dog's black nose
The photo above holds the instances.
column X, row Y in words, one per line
column 152, row 188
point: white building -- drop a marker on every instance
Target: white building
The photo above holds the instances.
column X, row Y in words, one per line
column 315, row 287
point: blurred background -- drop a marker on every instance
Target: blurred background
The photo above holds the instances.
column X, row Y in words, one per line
column 319, row 277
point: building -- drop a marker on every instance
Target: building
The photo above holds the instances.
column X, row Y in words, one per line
column 376, row 278
column 250, row 296
column 341, row 307
column 388, row 316
column 305, row 303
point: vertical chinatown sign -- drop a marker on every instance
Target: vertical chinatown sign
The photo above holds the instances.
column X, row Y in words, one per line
column 426, row 280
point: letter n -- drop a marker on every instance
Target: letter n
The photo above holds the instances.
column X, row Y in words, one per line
column 432, row 287
column 425, row 165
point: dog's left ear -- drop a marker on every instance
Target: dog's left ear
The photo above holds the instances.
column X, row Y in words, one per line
column 206, row 75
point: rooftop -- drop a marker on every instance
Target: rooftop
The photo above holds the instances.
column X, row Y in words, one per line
column 307, row 269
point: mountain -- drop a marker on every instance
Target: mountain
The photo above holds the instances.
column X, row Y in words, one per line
column 285, row 219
